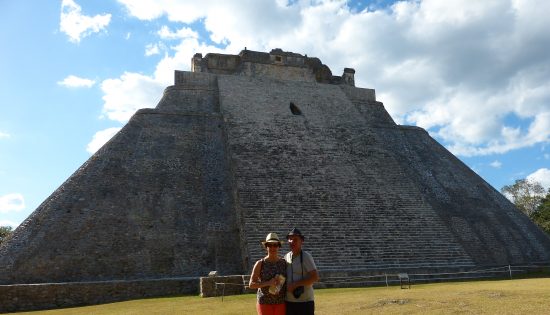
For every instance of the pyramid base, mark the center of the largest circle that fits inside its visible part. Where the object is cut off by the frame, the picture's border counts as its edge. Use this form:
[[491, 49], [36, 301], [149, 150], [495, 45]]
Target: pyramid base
[[27, 297]]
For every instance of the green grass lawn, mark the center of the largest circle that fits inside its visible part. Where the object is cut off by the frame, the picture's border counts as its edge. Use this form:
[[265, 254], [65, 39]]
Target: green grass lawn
[[524, 296]]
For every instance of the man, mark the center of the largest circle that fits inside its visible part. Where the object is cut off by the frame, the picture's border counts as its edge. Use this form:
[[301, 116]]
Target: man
[[301, 275]]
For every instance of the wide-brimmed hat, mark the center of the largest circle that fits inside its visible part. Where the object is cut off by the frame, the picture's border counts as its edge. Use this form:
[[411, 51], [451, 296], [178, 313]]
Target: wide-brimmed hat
[[296, 232], [272, 238]]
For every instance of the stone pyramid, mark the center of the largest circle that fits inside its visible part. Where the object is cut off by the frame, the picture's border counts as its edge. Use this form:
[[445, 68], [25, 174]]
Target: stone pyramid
[[262, 142]]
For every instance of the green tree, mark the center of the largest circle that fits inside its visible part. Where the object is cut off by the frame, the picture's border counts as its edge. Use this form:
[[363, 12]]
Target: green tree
[[5, 231], [542, 216], [525, 194]]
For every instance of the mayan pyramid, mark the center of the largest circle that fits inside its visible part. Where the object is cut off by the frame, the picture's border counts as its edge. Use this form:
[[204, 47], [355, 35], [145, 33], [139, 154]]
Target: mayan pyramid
[[262, 142]]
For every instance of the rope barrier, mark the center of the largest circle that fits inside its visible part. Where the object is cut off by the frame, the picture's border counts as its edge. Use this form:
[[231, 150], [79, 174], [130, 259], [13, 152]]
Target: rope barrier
[[510, 269], [227, 283], [461, 272]]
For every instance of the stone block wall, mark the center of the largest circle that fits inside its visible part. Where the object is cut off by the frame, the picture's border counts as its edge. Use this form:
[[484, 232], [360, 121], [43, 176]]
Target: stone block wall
[[488, 226], [277, 64], [27, 297], [326, 172], [277, 72], [155, 201]]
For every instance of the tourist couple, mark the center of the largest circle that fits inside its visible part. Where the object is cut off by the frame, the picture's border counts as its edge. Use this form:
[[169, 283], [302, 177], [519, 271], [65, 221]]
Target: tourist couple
[[287, 279]]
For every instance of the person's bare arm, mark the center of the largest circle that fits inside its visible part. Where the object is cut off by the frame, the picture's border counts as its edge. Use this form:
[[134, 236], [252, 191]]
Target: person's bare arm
[[255, 282]]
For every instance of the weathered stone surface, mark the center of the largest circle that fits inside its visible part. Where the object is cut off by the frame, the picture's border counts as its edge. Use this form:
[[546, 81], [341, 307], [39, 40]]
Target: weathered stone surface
[[156, 201], [250, 144], [21, 297]]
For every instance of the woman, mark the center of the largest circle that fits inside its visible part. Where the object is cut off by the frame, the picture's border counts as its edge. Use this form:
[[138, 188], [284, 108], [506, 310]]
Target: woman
[[268, 276]]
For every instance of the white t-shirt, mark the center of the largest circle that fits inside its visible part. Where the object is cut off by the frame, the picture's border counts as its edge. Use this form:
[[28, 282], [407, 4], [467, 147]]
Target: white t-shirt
[[294, 273]]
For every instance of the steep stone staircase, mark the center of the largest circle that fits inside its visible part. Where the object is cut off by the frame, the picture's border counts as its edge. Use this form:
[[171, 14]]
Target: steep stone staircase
[[329, 173]]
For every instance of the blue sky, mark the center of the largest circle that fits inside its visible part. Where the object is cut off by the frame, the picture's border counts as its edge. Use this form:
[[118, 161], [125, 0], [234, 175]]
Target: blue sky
[[475, 74]]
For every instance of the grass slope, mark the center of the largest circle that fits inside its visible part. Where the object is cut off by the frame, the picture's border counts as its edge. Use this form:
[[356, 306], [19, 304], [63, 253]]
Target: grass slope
[[525, 296]]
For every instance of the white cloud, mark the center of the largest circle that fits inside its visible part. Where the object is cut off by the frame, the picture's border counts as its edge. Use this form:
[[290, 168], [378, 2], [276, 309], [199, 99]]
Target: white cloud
[[542, 176], [73, 81], [4, 135], [8, 223], [496, 164], [12, 203], [76, 25], [182, 33], [100, 138], [243, 23], [125, 95], [145, 9], [459, 70], [152, 49]]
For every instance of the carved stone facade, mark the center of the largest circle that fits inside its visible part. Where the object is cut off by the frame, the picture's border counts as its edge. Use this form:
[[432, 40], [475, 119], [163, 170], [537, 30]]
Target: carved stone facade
[[254, 143], [277, 64]]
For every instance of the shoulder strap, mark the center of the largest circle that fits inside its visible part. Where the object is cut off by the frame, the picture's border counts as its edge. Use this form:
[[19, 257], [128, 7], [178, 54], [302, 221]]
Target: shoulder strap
[[261, 266], [302, 262], [292, 266]]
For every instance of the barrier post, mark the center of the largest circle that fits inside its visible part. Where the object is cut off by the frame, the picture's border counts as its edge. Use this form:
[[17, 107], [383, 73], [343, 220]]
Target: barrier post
[[386, 275], [510, 271]]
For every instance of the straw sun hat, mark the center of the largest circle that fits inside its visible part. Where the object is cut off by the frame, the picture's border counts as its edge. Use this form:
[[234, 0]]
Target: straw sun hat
[[272, 238]]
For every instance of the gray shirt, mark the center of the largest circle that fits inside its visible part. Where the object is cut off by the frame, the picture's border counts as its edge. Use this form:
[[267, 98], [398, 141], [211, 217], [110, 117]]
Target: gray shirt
[[294, 273]]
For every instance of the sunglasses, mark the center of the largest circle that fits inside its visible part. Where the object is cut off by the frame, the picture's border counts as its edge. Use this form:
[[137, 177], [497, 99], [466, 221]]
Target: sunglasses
[[272, 245]]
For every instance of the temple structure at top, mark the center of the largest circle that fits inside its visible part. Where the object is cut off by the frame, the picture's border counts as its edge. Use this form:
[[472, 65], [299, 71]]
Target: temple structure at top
[[276, 64]]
